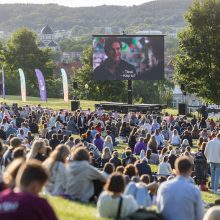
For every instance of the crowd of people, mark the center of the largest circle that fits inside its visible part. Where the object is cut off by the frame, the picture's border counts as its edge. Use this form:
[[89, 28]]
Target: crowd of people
[[79, 156]]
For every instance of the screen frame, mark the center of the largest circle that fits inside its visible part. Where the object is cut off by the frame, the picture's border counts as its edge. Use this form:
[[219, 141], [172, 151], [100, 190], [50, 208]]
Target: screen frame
[[150, 77]]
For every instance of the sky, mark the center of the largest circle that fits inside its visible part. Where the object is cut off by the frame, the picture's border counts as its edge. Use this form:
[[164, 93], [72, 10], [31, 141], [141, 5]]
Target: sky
[[79, 3]]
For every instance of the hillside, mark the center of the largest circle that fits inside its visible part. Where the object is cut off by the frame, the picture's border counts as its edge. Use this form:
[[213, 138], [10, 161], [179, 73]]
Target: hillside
[[165, 15]]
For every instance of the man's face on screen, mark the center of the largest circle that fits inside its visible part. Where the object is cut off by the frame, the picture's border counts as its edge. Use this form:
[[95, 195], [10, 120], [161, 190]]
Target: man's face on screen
[[115, 52]]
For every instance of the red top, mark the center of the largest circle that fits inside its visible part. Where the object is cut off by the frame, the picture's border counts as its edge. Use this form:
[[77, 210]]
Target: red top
[[24, 206]]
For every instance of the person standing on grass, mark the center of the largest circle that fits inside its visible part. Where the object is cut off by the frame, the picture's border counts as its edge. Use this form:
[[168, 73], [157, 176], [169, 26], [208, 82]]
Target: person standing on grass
[[212, 153], [179, 198]]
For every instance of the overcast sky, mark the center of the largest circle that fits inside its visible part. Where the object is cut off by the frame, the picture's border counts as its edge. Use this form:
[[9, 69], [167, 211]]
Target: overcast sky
[[80, 3]]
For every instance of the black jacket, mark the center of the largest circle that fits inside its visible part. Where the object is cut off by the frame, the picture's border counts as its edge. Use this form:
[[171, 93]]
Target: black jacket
[[124, 70]]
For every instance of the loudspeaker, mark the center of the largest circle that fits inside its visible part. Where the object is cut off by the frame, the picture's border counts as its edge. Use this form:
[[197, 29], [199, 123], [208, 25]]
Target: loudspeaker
[[75, 104], [75, 85], [182, 109]]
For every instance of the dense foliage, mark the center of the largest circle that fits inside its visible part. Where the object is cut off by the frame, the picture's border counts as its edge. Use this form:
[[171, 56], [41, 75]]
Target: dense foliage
[[165, 15], [22, 51], [198, 63]]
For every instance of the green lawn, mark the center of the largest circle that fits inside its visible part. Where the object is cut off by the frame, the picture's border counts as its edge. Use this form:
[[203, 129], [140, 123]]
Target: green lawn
[[57, 103], [68, 210], [54, 103]]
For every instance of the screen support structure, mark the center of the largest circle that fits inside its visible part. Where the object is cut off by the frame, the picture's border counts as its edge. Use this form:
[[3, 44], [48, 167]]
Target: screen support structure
[[130, 93]]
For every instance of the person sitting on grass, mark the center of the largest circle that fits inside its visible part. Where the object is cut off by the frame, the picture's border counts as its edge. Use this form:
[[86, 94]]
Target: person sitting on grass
[[112, 198], [23, 202]]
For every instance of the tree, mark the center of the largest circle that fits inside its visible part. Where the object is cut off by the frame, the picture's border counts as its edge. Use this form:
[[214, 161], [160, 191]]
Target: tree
[[197, 64], [97, 90], [22, 51]]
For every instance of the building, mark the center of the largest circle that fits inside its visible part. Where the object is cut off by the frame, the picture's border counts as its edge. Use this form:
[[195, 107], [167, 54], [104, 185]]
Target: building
[[47, 39], [191, 100]]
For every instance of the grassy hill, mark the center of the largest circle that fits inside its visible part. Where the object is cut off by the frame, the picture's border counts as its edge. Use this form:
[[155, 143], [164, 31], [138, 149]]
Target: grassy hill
[[68, 210], [159, 15]]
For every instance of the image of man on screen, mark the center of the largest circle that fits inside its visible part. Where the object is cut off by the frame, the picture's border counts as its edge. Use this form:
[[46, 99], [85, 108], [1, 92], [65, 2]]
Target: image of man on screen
[[114, 68]]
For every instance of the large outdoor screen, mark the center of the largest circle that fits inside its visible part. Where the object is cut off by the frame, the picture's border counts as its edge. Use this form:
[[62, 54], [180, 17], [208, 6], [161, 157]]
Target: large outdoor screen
[[126, 57]]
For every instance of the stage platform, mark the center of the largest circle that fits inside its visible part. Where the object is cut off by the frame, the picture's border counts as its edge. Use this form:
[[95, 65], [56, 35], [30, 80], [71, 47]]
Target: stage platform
[[125, 108]]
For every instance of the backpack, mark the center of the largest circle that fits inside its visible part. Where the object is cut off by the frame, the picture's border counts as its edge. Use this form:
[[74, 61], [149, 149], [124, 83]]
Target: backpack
[[144, 214]]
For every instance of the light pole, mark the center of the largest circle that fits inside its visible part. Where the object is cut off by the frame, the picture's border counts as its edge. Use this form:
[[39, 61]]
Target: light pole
[[86, 88]]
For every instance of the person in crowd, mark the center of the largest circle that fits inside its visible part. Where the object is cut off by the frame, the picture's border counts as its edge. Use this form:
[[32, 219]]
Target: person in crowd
[[34, 127], [2, 133], [38, 151], [64, 140], [113, 67], [131, 171], [140, 145], [50, 133], [152, 144], [7, 157], [129, 158], [108, 143], [10, 130], [172, 158], [159, 138], [81, 123], [11, 171], [204, 134], [108, 169], [202, 124], [106, 156], [70, 142], [71, 125], [195, 132], [185, 143], [21, 134], [55, 165], [155, 126], [54, 141], [164, 168], [153, 158], [176, 141], [98, 142], [193, 121], [25, 202], [187, 203], [132, 140], [144, 168], [115, 159], [113, 199], [80, 176], [140, 191], [165, 133], [212, 152], [163, 153], [187, 135], [213, 213]]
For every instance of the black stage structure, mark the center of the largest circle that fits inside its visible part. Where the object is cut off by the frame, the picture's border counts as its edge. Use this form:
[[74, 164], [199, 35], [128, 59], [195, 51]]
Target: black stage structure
[[125, 108]]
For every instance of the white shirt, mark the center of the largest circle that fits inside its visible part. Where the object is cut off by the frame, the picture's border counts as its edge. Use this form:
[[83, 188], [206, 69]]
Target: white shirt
[[164, 169], [178, 199], [212, 151], [108, 206], [175, 140]]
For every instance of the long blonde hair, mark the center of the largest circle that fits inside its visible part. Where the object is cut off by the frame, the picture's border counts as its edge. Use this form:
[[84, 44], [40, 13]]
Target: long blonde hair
[[39, 143], [108, 138], [106, 153], [58, 155]]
